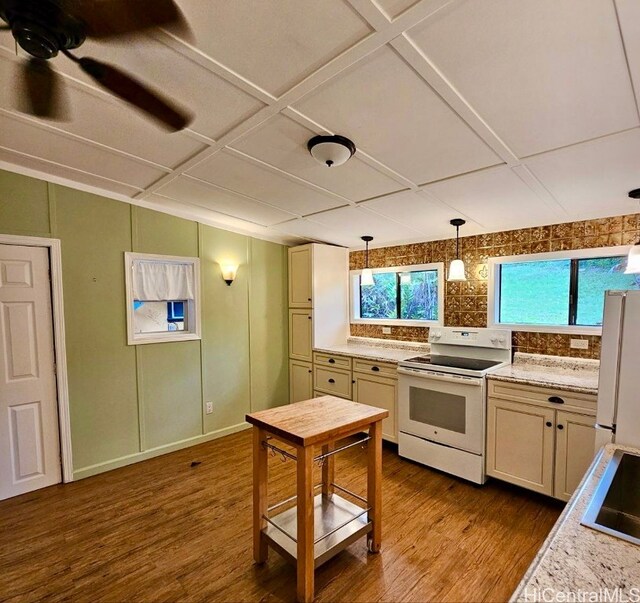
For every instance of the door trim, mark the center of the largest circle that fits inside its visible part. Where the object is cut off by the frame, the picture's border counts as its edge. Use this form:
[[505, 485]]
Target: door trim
[[60, 350]]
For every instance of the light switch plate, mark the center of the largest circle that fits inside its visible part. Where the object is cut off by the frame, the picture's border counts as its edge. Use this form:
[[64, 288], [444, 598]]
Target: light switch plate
[[209, 407], [579, 344], [386, 330]]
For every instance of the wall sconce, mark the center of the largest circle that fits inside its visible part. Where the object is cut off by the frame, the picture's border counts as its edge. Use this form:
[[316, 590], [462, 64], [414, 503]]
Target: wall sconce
[[229, 272]]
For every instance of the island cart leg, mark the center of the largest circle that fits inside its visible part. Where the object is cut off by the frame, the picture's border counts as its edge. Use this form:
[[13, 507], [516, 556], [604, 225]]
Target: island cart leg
[[260, 471], [328, 471], [374, 486], [305, 557]]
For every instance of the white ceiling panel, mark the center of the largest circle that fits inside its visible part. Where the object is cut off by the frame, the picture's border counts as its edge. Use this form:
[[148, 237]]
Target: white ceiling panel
[[37, 142], [282, 142], [199, 193], [274, 47], [216, 104], [243, 176], [394, 7], [629, 14], [350, 223], [591, 180], [497, 199], [420, 212], [392, 114], [312, 231], [542, 73]]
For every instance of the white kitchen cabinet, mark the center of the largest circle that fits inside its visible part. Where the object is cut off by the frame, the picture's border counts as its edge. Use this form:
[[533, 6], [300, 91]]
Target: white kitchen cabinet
[[575, 444], [336, 382], [539, 438], [300, 381], [300, 335], [300, 276], [381, 392]]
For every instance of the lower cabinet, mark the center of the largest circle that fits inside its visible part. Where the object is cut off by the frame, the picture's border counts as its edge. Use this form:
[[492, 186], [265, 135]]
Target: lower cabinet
[[381, 392], [539, 447], [300, 381]]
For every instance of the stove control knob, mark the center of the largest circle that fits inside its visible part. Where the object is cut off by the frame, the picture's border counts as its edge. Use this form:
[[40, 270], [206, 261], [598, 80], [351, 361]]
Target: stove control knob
[[435, 335]]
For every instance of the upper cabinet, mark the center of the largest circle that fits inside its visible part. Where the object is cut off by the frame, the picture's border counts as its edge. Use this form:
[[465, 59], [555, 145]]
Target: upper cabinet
[[319, 279], [300, 276]]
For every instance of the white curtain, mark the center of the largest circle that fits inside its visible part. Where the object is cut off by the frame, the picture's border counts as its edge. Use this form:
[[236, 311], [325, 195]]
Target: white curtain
[[162, 281]]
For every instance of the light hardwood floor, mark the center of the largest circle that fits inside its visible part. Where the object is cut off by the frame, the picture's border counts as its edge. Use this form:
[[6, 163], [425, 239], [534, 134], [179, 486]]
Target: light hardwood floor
[[162, 530]]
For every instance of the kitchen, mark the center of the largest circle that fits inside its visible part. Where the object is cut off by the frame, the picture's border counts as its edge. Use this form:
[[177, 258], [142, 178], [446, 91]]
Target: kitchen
[[411, 185]]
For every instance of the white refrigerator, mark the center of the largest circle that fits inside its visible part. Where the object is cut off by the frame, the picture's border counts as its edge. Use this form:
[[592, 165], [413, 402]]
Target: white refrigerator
[[618, 414]]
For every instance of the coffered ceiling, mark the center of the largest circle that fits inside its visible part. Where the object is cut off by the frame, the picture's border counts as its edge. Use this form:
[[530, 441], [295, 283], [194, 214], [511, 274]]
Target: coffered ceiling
[[508, 114]]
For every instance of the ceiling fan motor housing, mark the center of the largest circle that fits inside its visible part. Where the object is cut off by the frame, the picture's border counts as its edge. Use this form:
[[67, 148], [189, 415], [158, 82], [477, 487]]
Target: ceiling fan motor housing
[[41, 27]]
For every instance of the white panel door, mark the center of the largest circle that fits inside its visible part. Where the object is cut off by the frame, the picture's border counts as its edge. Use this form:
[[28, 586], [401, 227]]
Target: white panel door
[[29, 440]]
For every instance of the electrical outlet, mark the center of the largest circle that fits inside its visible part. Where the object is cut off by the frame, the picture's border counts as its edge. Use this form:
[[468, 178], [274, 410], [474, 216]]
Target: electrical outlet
[[386, 330], [579, 344], [209, 407]]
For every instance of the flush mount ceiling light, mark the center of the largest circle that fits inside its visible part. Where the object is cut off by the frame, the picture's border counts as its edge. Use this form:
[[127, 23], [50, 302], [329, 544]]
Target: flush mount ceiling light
[[331, 150], [633, 259], [456, 269], [366, 278]]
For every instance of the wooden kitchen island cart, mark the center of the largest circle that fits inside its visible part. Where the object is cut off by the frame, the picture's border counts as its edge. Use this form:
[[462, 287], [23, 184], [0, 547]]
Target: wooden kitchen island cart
[[321, 525]]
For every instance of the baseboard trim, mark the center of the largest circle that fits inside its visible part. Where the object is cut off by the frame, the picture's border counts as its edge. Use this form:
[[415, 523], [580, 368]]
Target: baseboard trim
[[123, 461]]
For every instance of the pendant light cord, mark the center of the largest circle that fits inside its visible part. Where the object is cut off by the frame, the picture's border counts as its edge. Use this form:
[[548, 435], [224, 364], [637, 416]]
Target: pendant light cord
[[457, 242], [366, 257]]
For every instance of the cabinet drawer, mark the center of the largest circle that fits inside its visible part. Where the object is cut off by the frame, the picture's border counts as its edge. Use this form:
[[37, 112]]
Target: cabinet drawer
[[332, 381], [377, 368], [330, 360], [543, 396]]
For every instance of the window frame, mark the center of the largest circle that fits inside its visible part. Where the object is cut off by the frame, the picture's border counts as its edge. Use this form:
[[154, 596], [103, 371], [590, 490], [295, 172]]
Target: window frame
[[193, 306], [354, 297], [493, 290]]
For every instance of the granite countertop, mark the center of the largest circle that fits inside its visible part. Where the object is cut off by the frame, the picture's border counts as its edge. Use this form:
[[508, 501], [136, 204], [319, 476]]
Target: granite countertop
[[568, 374], [577, 559], [380, 350]]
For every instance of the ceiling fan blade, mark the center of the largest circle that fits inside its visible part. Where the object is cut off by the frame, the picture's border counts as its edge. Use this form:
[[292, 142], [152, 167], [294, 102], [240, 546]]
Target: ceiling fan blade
[[106, 18], [135, 93], [41, 90]]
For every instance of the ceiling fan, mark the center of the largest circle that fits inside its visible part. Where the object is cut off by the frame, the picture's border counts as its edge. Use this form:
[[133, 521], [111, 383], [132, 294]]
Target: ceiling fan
[[44, 28]]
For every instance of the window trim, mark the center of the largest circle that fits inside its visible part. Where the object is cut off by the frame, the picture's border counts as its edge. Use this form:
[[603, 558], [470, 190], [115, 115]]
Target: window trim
[[194, 305], [493, 291], [354, 297]]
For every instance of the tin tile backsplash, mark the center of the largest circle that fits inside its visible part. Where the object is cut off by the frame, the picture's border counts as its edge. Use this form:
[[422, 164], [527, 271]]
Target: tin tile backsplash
[[466, 302]]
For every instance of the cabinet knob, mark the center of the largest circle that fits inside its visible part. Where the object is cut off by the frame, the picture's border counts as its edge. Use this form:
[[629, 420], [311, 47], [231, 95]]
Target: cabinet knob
[[310, 371], [353, 380], [332, 380], [548, 423], [332, 361], [555, 400], [375, 368], [560, 426], [308, 299], [309, 317]]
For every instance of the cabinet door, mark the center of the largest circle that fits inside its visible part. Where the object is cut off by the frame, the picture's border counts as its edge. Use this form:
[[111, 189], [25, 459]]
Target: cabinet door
[[300, 278], [520, 444], [381, 392], [300, 381], [575, 445], [300, 335]]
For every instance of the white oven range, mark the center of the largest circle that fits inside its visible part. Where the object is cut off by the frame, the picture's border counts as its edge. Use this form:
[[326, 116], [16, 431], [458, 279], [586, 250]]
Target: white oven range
[[442, 399]]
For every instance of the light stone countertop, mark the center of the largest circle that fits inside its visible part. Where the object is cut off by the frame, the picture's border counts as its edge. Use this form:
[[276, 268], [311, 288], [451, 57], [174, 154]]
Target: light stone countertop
[[576, 559], [567, 374], [380, 350]]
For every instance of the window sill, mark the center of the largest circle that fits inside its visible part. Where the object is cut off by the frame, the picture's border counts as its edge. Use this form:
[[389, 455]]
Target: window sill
[[163, 338], [390, 322], [559, 330]]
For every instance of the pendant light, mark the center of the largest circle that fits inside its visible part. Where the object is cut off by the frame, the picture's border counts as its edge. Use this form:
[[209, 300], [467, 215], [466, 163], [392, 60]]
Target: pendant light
[[633, 259], [456, 268], [331, 150], [366, 278]]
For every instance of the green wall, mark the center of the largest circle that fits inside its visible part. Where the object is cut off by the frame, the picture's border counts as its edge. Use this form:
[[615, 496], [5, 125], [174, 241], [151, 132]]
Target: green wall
[[129, 403]]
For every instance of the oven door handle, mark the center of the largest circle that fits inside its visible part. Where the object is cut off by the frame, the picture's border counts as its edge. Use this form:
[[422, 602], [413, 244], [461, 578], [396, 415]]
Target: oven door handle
[[460, 379]]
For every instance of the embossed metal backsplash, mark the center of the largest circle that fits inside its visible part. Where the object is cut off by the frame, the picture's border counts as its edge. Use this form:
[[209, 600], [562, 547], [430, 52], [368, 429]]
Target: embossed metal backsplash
[[466, 302]]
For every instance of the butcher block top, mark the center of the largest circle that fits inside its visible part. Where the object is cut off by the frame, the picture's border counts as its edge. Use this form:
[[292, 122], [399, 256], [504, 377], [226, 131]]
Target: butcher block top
[[317, 420]]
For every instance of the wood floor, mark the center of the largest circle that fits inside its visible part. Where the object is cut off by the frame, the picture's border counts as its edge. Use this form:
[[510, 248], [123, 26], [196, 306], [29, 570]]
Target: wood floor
[[163, 530]]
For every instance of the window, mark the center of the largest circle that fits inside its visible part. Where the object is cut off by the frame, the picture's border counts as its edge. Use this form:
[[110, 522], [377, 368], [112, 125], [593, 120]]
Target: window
[[556, 291], [163, 298], [408, 295]]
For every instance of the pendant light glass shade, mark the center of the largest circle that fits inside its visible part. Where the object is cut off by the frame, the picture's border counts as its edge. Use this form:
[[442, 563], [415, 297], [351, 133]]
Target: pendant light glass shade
[[633, 260], [456, 268], [366, 278], [456, 271]]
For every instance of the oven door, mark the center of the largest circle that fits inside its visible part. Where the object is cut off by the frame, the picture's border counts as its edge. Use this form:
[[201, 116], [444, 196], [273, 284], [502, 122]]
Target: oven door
[[444, 408]]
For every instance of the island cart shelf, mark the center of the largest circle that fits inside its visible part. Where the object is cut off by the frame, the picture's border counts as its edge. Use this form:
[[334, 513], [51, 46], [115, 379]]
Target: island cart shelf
[[323, 524]]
